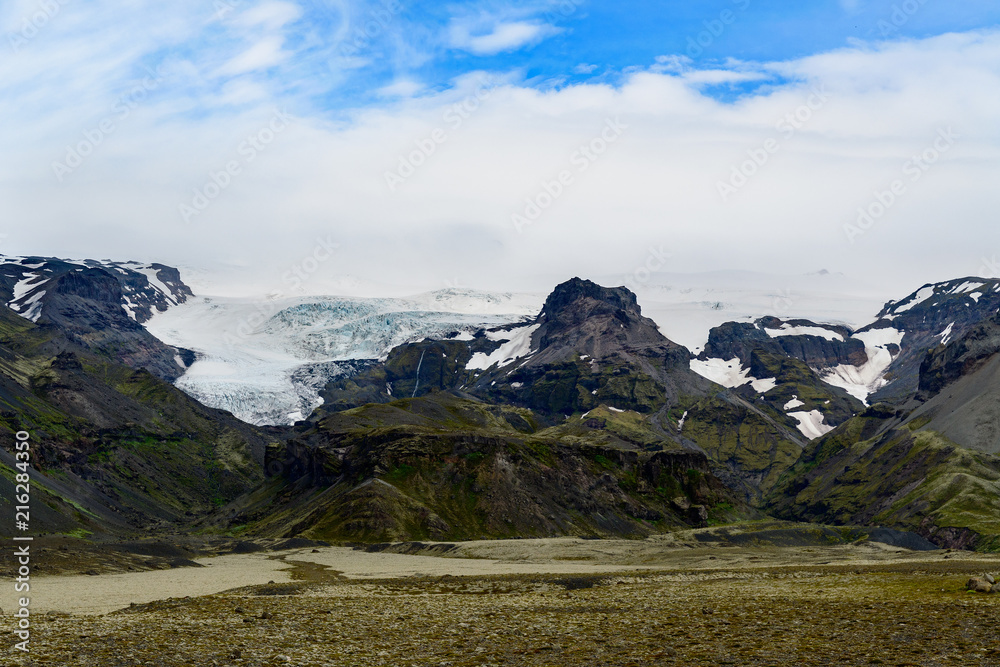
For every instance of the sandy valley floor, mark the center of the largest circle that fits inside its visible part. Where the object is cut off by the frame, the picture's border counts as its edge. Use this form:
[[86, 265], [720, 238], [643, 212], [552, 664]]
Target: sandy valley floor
[[668, 600]]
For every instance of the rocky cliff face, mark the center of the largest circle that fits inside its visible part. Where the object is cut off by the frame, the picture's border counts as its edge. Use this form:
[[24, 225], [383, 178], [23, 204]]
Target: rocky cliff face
[[738, 340], [592, 346], [145, 288], [581, 317], [945, 364], [100, 307]]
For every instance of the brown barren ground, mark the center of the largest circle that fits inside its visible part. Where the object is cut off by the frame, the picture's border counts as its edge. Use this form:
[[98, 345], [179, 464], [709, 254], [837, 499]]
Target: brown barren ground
[[863, 604]]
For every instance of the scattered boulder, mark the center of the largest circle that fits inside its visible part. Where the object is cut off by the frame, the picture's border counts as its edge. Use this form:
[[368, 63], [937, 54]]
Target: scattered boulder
[[989, 578], [979, 585]]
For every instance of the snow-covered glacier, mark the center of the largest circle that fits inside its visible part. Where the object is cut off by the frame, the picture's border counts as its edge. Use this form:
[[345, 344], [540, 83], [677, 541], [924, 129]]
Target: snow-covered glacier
[[266, 361]]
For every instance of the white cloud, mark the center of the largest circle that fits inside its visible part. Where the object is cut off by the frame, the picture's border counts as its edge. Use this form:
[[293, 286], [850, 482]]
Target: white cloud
[[269, 15], [264, 54], [499, 37], [720, 76], [655, 186], [401, 88]]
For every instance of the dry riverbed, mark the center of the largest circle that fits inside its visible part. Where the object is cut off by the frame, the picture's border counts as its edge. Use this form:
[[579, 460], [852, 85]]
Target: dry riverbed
[[670, 600]]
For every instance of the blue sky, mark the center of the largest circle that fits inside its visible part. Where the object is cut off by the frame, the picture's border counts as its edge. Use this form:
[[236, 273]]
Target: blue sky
[[565, 42], [430, 139]]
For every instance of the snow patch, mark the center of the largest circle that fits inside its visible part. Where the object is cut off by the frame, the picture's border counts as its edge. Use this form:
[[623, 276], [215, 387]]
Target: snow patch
[[922, 295], [965, 287], [727, 373], [731, 374], [31, 308], [764, 386], [792, 404], [517, 345], [811, 424], [862, 381], [26, 284], [946, 334], [789, 330]]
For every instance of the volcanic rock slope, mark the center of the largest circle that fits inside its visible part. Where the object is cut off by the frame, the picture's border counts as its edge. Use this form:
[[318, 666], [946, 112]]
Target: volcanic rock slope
[[925, 458], [574, 423], [100, 306], [582, 420], [115, 449], [591, 371]]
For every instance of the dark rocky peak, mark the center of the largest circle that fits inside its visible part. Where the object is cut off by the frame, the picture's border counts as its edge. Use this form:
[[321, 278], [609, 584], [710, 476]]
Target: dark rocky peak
[[99, 306], [142, 289], [579, 299], [595, 320], [962, 300], [147, 287], [92, 284]]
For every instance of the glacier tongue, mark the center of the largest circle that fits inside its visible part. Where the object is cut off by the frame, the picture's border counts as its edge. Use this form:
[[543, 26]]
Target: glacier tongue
[[267, 361]]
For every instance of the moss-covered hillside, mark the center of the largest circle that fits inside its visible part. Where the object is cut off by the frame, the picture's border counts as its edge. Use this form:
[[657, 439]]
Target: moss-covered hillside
[[113, 449], [447, 467]]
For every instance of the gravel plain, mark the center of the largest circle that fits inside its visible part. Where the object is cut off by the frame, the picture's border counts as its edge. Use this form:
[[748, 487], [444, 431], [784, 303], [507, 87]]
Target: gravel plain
[[662, 601]]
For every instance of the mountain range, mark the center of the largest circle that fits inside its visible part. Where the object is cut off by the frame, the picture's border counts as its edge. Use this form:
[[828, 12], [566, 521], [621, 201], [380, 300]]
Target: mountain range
[[459, 414]]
